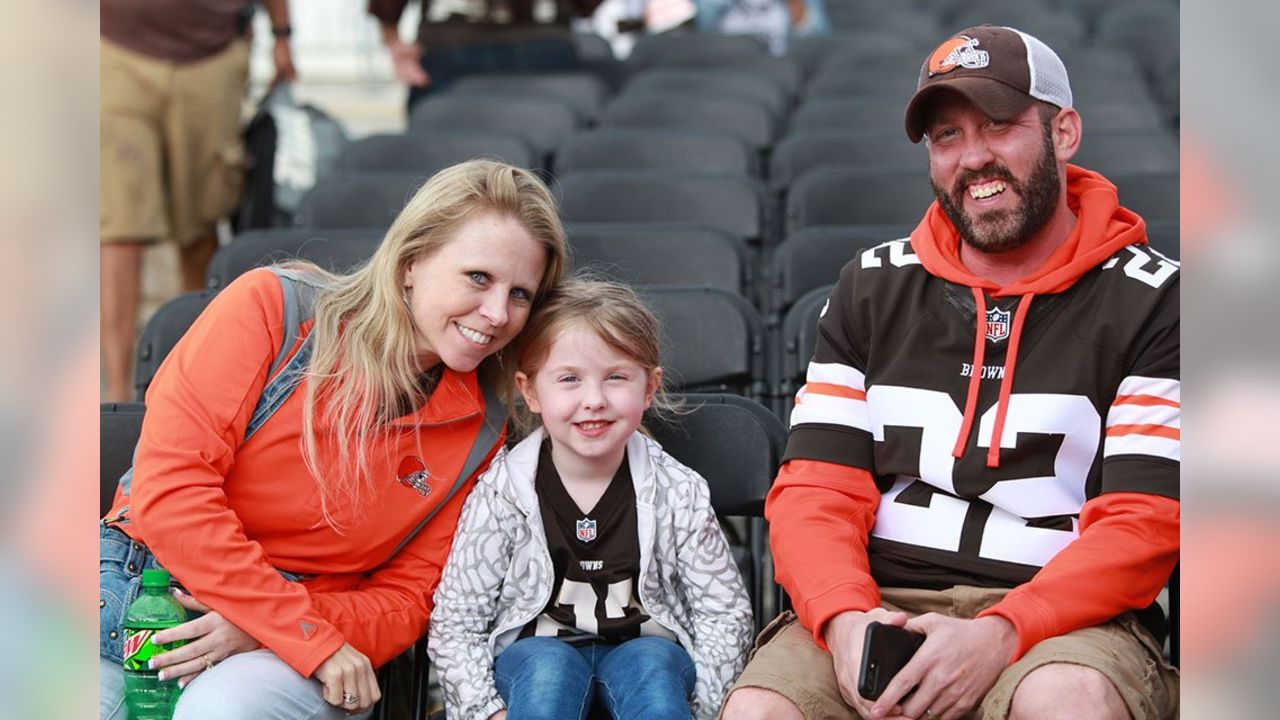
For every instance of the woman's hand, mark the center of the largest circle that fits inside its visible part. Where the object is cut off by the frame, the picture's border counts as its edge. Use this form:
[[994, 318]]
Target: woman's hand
[[212, 638], [349, 680]]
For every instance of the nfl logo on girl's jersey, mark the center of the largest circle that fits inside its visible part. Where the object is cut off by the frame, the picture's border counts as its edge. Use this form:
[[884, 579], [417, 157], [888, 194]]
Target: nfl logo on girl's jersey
[[586, 530]]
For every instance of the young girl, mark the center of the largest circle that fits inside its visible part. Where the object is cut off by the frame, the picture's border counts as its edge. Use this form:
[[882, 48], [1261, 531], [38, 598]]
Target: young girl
[[588, 563]]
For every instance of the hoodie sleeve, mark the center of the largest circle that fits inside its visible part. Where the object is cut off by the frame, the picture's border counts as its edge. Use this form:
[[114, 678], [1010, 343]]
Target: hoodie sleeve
[[717, 600], [1129, 532], [466, 601]]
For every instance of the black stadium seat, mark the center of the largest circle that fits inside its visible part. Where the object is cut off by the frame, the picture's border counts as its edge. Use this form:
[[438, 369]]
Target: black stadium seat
[[803, 151], [582, 91], [686, 49], [615, 148], [334, 250], [119, 425], [748, 121], [427, 154], [714, 82], [358, 200], [165, 328], [1154, 196], [644, 254], [849, 196], [813, 257], [731, 203], [713, 340], [798, 337], [542, 122]]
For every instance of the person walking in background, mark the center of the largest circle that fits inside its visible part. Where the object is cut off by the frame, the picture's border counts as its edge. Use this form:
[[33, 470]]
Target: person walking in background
[[457, 38], [589, 564], [307, 503], [171, 158], [986, 450]]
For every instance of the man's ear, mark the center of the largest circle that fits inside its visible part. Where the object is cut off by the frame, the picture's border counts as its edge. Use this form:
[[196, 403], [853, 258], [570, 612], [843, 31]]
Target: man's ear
[[1066, 131], [525, 386]]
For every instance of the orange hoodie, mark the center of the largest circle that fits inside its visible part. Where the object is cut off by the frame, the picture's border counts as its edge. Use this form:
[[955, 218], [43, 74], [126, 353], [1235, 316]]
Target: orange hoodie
[[226, 518], [821, 513]]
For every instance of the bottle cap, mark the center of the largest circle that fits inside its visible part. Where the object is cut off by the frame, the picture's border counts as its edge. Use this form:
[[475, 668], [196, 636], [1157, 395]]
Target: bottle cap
[[155, 577]]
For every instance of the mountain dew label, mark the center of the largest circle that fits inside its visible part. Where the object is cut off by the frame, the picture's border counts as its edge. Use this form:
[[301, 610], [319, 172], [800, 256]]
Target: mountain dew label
[[138, 648]]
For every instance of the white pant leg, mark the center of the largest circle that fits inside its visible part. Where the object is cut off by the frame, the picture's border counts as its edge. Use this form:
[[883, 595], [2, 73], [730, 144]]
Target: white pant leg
[[256, 685], [111, 691]]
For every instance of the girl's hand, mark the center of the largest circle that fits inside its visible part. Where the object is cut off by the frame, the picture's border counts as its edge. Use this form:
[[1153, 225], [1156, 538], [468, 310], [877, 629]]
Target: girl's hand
[[212, 638], [349, 680]]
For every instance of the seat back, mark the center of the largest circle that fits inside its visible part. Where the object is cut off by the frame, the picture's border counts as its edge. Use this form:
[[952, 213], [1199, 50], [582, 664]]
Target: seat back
[[358, 200], [799, 336], [165, 328], [645, 254], [715, 81], [542, 122], [852, 196], [119, 425], [427, 155], [731, 203], [803, 151], [334, 250], [583, 91], [813, 257], [746, 120], [687, 149], [1154, 196], [713, 340]]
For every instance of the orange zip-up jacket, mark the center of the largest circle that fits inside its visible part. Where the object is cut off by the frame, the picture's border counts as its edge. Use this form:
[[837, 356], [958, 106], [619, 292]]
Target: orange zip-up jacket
[[825, 506], [226, 518]]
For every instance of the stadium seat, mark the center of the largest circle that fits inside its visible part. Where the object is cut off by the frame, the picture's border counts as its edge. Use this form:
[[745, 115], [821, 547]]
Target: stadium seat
[[592, 47], [1128, 153], [813, 257], [428, 154], [1165, 238], [746, 120], [731, 203], [894, 82], [335, 250], [583, 91], [119, 425], [714, 82], [646, 254], [1154, 196], [903, 24], [801, 152], [357, 200], [542, 122], [850, 196], [867, 115], [1136, 115], [684, 49], [713, 340], [737, 445], [693, 150], [797, 338], [1056, 28], [165, 328]]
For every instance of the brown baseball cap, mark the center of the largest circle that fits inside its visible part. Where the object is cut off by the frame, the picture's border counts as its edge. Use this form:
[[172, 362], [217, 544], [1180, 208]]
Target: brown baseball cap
[[999, 69]]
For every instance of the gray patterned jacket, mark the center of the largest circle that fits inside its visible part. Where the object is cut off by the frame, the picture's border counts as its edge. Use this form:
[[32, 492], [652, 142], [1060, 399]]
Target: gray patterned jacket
[[499, 577]]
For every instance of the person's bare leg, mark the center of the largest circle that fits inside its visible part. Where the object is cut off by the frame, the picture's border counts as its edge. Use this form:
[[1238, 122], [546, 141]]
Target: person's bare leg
[[120, 290], [194, 261]]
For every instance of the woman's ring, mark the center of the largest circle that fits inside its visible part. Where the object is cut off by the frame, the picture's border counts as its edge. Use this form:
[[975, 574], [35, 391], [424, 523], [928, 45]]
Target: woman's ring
[[208, 664], [350, 698]]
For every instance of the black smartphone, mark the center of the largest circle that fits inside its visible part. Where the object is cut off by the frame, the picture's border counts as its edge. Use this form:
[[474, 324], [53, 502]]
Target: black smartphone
[[885, 650]]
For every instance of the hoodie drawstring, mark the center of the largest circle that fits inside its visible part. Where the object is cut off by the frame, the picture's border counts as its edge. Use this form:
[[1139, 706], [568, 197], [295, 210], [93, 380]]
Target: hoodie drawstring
[[1006, 384], [975, 378]]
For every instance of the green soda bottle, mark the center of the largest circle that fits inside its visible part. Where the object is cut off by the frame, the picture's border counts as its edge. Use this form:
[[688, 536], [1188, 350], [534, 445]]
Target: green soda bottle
[[155, 609]]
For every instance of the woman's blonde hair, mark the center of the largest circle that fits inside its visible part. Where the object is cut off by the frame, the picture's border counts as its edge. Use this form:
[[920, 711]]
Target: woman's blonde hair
[[364, 371], [609, 309]]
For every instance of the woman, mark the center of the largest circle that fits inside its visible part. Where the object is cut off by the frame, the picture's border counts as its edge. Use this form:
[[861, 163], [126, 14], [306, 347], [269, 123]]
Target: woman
[[297, 536]]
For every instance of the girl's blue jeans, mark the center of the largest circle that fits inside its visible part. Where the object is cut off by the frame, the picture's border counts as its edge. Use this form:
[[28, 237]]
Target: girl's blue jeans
[[648, 678]]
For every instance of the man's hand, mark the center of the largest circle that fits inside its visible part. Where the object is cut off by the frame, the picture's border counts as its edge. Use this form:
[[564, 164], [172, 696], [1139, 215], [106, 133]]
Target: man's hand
[[406, 58], [282, 54], [844, 634], [958, 663]]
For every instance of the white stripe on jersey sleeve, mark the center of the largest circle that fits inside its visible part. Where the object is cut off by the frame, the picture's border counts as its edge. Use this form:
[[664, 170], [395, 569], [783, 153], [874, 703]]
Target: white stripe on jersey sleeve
[[816, 407], [1144, 415], [1138, 444], [836, 374], [1159, 387]]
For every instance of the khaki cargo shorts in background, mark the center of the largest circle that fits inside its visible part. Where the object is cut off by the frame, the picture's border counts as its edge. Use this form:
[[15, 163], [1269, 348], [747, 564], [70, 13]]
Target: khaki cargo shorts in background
[[172, 161], [787, 661]]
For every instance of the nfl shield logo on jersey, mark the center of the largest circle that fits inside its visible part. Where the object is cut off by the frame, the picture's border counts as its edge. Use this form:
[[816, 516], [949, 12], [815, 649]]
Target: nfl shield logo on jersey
[[586, 530], [997, 324]]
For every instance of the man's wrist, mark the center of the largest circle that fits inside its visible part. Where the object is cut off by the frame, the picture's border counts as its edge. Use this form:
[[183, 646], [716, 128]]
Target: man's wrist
[[282, 32], [1006, 634]]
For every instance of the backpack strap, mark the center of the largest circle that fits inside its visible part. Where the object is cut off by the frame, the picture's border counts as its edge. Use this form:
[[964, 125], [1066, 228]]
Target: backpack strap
[[490, 432]]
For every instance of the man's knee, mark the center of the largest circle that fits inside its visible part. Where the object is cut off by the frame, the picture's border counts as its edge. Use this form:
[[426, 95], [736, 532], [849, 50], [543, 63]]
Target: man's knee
[[1065, 690], [753, 703]]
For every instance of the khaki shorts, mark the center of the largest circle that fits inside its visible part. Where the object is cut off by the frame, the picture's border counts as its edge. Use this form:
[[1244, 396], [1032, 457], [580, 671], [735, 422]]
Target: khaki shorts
[[787, 661], [171, 157]]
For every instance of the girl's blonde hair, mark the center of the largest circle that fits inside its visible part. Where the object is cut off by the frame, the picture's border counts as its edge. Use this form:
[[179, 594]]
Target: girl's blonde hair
[[613, 312], [364, 372]]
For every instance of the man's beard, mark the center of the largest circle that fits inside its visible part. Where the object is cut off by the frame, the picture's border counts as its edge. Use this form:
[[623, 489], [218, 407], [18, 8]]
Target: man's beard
[[1000, 231]]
